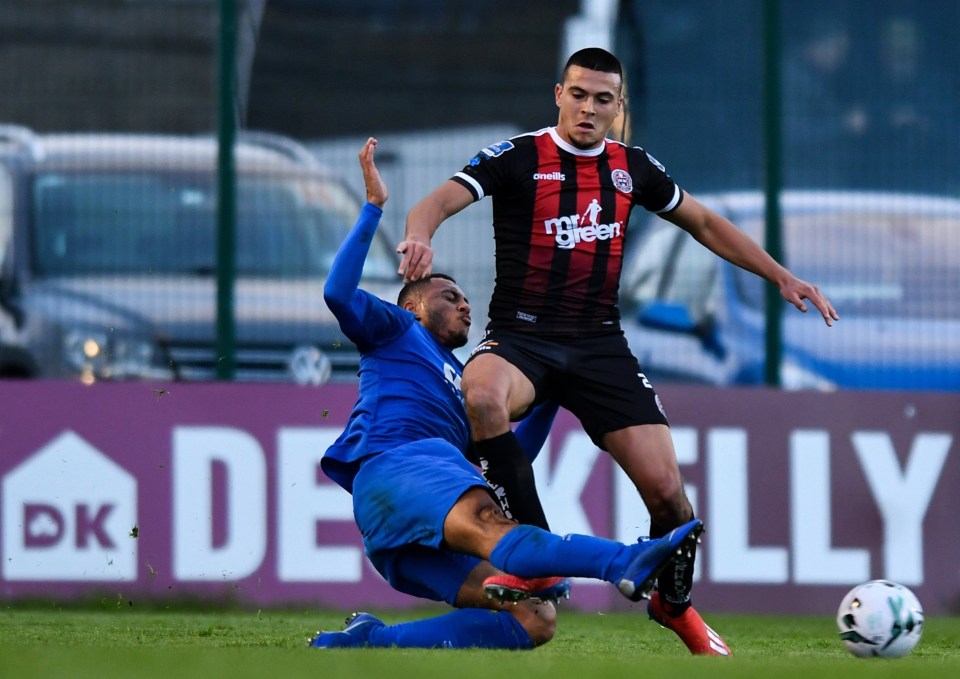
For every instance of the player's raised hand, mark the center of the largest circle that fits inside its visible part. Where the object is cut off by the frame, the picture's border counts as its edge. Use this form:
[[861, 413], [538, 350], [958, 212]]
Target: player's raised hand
[[376, 189], [417, 260], [795, 291]]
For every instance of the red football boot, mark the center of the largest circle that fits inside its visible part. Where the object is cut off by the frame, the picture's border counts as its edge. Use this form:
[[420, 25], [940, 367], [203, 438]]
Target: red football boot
[[690, 627], [511, 588]]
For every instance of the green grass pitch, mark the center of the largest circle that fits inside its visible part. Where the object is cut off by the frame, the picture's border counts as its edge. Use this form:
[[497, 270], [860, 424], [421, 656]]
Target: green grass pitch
[[116, 639]]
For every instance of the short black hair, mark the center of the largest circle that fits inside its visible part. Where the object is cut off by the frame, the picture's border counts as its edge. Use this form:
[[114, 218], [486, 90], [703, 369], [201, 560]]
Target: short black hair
[[414, 288], [594, 59]]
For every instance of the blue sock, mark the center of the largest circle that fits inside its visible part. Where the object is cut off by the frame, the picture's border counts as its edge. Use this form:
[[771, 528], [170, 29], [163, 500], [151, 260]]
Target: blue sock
[[463, 628], [529, 552]]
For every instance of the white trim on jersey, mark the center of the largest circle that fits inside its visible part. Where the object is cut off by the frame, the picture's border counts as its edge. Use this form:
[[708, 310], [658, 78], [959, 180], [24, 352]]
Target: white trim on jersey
[[673, 201], [477, 189], [570, 148]]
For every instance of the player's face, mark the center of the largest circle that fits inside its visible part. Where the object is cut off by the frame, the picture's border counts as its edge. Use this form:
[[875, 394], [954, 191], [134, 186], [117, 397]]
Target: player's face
[[589, 103], [445, 312]]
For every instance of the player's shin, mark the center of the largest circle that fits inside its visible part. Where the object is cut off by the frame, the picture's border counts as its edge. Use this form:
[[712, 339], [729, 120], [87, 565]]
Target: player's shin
[[676, 580], [508, 471]]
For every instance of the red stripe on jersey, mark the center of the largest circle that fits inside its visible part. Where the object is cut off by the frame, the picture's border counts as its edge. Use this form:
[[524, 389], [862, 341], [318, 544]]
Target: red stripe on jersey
[[560, 222], [546, 206], [617, 154], [576, 244], [589, 217]]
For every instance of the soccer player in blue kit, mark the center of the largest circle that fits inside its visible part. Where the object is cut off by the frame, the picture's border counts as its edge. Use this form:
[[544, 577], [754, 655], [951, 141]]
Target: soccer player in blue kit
[[562, 198], [430, 523]]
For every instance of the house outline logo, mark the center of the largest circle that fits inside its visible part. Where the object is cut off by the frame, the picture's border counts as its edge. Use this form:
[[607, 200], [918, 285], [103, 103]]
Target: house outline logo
[[67, 514]]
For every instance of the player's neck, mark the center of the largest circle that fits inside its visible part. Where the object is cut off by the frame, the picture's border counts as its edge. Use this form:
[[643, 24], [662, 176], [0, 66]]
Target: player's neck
[[564, 144]]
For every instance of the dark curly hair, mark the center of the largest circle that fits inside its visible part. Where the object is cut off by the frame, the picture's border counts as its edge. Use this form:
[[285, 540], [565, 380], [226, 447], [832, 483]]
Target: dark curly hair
[[414, 288]]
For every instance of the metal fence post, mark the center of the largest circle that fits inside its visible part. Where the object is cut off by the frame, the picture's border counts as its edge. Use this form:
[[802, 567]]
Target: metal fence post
[[773, 159], [226, 191]]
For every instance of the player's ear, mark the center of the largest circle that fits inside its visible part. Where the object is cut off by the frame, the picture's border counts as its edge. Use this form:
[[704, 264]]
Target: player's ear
[[557, 91], [410, 304]]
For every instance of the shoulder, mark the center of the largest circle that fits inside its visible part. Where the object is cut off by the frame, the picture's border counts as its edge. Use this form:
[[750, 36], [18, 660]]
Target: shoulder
[[511, 146], [500, 165], [633, 152], [375, 321], [639, 160]]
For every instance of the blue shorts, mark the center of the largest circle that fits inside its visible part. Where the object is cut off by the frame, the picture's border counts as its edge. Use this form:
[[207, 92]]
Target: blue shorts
[[401, 498]]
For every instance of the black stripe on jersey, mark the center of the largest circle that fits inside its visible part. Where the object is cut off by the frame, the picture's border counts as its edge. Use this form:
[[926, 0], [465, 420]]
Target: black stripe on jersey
[[522, 202], [590, 315], [560, 265]]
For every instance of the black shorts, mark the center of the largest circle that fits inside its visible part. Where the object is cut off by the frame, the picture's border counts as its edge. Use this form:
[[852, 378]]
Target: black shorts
[[597, 379]]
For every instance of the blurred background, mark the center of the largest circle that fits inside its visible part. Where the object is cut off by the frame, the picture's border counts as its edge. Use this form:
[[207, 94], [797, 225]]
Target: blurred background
[[854, 130]]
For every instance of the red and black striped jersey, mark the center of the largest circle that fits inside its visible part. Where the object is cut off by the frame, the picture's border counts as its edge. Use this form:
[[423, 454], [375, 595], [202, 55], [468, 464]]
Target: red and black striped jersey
[[560, 221]]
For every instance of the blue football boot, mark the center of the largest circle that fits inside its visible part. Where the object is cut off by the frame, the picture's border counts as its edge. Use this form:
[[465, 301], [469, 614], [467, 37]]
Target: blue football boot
[[653, 555], [355, 634]]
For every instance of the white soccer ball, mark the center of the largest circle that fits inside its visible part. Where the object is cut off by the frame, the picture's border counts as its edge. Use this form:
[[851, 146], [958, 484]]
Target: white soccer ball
[[880, 619]]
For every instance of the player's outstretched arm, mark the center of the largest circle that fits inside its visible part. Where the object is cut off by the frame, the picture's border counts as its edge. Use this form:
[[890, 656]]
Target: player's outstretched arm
[[723, 238], [344, 278], [423, 220]]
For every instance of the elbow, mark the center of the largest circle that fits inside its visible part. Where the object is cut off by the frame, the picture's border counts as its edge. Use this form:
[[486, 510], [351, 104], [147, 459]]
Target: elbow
[[329, 291], [333, 295]]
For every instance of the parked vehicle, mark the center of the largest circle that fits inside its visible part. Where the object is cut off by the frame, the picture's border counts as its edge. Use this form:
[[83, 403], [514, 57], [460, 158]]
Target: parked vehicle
[[108, 258], [890, 263]]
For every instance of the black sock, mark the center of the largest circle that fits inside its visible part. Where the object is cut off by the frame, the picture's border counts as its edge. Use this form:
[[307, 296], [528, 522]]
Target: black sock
[[508, 471], [676, 581]]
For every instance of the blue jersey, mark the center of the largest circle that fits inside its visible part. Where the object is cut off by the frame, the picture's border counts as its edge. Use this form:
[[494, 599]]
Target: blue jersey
[[409, 382]]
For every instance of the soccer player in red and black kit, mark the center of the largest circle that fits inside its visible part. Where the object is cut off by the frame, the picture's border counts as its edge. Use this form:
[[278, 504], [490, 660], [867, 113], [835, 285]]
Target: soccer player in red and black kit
[[561, 203]]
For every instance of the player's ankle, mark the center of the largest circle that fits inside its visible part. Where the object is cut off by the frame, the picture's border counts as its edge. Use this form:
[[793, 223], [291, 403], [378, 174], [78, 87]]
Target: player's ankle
[[672, 609]]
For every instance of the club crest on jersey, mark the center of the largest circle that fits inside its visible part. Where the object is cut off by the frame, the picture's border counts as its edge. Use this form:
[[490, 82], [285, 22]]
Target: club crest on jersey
[[622, 181]]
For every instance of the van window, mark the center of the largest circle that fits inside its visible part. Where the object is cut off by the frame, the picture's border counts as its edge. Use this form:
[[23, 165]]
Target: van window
[[6, 211], [166, 223], [667, 265], [688, 277], [646, 258], [886, 264]]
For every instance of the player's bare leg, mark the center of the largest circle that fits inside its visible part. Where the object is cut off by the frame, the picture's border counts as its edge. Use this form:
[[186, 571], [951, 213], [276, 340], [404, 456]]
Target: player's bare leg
[[538, 618], [646, 454], [495, 391]]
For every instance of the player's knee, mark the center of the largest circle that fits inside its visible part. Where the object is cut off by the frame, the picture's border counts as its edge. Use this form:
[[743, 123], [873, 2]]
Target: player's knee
[[539, 620], [668, 505], [486, 404], [478, 508], [490, 513]]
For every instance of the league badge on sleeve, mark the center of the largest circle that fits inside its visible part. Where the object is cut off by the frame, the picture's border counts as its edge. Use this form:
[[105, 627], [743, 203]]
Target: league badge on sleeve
[[492, 151], [656, 162], [498, 149]]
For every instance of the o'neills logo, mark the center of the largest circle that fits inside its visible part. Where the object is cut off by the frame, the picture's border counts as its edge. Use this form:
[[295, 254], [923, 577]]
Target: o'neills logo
[[549, 176]]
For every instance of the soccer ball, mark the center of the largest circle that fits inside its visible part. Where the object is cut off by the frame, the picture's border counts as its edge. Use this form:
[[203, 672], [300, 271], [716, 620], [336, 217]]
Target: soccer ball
[[880, 619]]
